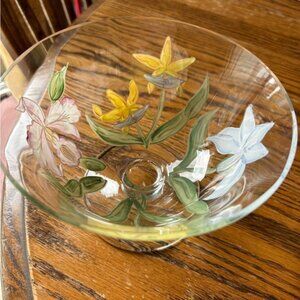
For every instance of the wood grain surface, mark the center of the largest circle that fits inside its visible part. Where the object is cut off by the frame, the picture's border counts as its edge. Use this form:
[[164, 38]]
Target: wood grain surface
[[256, 258]]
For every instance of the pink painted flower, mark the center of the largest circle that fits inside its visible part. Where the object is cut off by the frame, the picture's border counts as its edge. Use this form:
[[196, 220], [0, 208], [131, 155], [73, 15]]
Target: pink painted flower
[[43, 133]]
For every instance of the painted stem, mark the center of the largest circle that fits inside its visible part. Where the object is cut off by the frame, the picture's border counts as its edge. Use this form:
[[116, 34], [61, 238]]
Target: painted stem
[[107, 149], [157, 117], [140, 132]]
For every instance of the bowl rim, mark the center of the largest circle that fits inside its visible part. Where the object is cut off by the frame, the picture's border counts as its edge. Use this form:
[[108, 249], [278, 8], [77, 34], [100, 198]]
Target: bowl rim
[[168, 232]]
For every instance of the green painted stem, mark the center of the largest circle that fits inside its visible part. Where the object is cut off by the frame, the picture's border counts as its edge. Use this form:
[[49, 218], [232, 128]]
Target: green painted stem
[[107, 149], [140, 132], [157, 117]]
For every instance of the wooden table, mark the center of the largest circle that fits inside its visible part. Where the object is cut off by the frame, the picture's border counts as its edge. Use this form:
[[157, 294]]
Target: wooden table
[[256, 258]]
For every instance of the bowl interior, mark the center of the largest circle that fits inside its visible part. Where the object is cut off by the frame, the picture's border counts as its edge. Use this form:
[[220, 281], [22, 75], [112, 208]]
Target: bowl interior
[[100, 57]]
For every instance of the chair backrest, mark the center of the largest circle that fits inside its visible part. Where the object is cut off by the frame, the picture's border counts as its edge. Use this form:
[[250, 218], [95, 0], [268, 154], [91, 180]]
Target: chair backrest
[[24, 22]]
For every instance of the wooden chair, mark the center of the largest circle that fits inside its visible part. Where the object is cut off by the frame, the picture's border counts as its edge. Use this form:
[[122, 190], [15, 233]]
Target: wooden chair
[[25, 22]]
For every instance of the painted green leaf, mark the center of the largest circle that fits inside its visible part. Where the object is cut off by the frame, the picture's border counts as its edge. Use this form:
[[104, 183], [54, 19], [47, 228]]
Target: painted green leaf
[[57, 84], [111, 136], [197, 102], [187, 194], [55, 183], [73, 188], [92, 163], [142, 205], [175, 124], [91, 184], [169, 128], [197, 137], [70, 189], [120, 213], [154, 218]]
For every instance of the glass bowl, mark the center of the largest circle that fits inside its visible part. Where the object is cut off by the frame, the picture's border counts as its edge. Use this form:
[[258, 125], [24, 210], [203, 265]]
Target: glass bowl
[[147, 131]]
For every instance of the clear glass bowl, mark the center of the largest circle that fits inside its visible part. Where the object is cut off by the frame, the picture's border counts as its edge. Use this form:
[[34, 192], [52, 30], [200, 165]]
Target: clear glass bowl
[[150, 131]]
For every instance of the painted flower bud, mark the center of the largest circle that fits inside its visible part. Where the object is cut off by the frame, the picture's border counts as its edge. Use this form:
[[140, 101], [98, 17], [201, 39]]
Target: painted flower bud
[[92, 164], [57, 84]]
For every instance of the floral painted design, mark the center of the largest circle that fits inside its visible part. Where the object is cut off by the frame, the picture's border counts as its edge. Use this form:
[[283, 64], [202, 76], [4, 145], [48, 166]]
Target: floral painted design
[[242, 144], [196, 170], [164, 82], [133, 118], [44, 133], [245, 147], [163, 65], [123, 108], [57, 84], [48, 134], [111, 187]]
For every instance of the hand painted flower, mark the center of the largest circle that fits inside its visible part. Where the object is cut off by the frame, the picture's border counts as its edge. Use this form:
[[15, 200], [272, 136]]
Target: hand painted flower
[[197, 168], [123, 108], [244, 144], [164, 64], [43, 133]]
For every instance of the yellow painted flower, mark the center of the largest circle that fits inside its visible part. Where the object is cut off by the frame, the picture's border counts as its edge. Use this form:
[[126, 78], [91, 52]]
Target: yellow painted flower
[[123, 108], [164, 64]]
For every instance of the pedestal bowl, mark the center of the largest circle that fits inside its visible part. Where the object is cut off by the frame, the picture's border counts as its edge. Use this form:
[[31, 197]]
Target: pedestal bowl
[[147, 131]]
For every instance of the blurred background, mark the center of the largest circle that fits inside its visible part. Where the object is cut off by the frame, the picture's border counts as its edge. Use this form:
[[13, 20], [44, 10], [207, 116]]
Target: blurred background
[[25, 22]]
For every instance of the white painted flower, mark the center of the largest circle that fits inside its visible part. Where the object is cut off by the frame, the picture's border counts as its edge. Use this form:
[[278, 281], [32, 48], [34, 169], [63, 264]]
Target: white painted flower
[[43, 133], [244, 144], [196, 169]]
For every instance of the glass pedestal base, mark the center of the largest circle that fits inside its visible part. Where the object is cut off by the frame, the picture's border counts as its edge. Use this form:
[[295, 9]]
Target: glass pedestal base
[[140, 247]]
